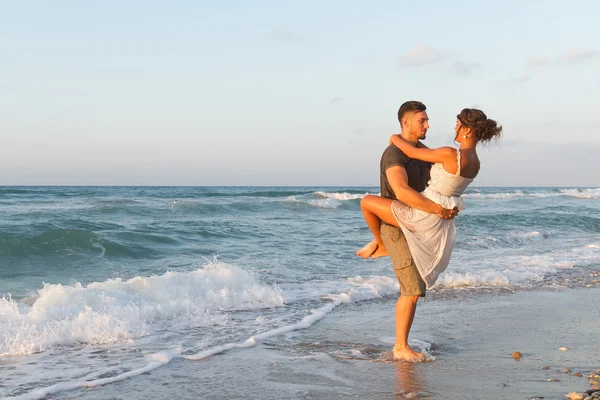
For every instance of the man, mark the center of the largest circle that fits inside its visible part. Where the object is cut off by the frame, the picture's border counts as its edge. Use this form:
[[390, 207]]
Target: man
[[404, 178]]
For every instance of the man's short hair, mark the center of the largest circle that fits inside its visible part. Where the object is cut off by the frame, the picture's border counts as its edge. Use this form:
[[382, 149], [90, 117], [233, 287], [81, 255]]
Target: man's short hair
[[410, 106]]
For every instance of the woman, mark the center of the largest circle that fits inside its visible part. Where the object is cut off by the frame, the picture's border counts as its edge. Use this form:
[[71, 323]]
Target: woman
[[431, 236]]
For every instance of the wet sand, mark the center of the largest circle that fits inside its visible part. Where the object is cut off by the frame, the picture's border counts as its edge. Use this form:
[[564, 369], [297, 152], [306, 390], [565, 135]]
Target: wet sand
[[346, 355]]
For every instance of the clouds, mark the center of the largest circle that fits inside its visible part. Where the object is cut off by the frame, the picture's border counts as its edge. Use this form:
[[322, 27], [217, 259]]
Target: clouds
[[423, 54], [535, 61], [520, 79], [463, 69], [283, 34], [570, 56], [578, 54]]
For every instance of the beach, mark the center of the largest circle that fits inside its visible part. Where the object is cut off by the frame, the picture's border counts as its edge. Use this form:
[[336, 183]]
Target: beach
[[181, 187], [346, 356], [133, 293]]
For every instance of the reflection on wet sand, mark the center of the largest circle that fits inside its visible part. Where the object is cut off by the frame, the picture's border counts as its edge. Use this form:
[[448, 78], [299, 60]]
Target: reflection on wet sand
[[409, 383]]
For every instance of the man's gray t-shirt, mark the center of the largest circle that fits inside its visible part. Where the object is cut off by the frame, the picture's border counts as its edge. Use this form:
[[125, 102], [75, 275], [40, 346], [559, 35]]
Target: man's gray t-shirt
[[416, 170]]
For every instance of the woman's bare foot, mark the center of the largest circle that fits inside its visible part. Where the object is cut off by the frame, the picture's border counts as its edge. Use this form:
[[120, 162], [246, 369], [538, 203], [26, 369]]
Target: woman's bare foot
[[407, 354], [368, 250], [380, 252]]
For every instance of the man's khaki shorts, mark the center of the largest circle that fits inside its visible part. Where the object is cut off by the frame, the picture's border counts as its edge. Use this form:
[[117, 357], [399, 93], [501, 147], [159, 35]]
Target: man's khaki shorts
[[405, 269]]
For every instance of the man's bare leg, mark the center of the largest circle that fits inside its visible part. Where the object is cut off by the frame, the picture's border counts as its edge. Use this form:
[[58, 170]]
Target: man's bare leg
[[376, 209], [405, 313]]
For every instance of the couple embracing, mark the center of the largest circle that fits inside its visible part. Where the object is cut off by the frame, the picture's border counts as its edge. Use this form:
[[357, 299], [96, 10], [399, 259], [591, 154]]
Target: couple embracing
[[413, 219]]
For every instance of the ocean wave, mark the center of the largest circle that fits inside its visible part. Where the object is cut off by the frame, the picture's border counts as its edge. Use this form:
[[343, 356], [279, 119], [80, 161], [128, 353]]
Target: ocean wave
[[114, 205], [361, 289], [581, 193], [325, 199], [517, 277], [114, 201], [586, 193], [15, 190], [503, 195], [517, 270], [57, 242], [210, 207], [502, 240], [247, 192], [547, 221], [118, 311], [320, 203], [343, 196]]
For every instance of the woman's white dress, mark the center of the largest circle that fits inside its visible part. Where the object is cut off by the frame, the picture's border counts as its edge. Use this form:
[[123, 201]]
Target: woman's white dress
[[431, 238]]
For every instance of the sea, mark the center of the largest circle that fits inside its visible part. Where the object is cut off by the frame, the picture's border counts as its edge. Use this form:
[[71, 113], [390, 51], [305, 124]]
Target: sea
[[103, 285]]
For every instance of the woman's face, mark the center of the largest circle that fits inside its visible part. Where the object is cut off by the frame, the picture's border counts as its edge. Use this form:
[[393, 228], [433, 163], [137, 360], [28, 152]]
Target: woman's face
[[457, 130]]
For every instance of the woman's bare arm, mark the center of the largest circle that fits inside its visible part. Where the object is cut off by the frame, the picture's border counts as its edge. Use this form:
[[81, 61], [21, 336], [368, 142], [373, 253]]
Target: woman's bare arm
[[441, 154]]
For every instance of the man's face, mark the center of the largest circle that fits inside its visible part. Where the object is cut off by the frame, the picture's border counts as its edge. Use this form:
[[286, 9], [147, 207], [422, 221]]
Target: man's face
[[417, 124]]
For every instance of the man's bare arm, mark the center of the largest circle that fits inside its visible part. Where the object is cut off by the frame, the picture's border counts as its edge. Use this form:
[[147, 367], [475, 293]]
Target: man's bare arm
[[398, 180]]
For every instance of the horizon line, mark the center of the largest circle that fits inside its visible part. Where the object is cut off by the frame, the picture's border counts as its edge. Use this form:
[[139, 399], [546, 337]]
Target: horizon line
[[289, 186]]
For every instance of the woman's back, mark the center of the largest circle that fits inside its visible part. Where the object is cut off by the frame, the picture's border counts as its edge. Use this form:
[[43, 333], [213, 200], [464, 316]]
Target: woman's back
[[466, 165], [454, 183]]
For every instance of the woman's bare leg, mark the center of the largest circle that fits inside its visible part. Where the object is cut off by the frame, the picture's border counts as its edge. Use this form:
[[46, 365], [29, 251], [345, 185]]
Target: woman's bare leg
[[376, 209]]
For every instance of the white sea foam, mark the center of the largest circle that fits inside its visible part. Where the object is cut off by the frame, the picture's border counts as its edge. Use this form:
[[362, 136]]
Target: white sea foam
[[321, 203], [582, 193], [589, 193], [451, 279], [500, 271], [340, 196], [98, 246], [325, 200], [373, 287], [324, 203], [121, 311], [534, 234], [361, 289], [157, 361], [510, 270], [507, 195], [513, 239], [525, 237]]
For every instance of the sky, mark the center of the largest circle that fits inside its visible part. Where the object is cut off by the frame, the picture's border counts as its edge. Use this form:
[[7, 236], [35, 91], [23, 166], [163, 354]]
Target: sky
[[294, 93]]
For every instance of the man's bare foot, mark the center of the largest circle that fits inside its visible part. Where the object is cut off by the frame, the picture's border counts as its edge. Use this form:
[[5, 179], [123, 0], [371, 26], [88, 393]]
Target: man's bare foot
[[407, 354], [368, 250], [380, 252]]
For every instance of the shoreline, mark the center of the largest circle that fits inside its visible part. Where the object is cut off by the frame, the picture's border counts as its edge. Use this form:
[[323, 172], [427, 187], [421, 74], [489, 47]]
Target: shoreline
[[474, 339], [347, 355]]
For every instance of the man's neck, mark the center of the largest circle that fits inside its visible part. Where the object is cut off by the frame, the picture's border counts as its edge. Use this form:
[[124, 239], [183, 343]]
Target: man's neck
[[409, 138]]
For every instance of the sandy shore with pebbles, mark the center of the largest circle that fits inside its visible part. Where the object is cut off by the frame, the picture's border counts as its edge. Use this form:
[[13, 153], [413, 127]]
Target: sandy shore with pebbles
[[474, 339], [346, 355]]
